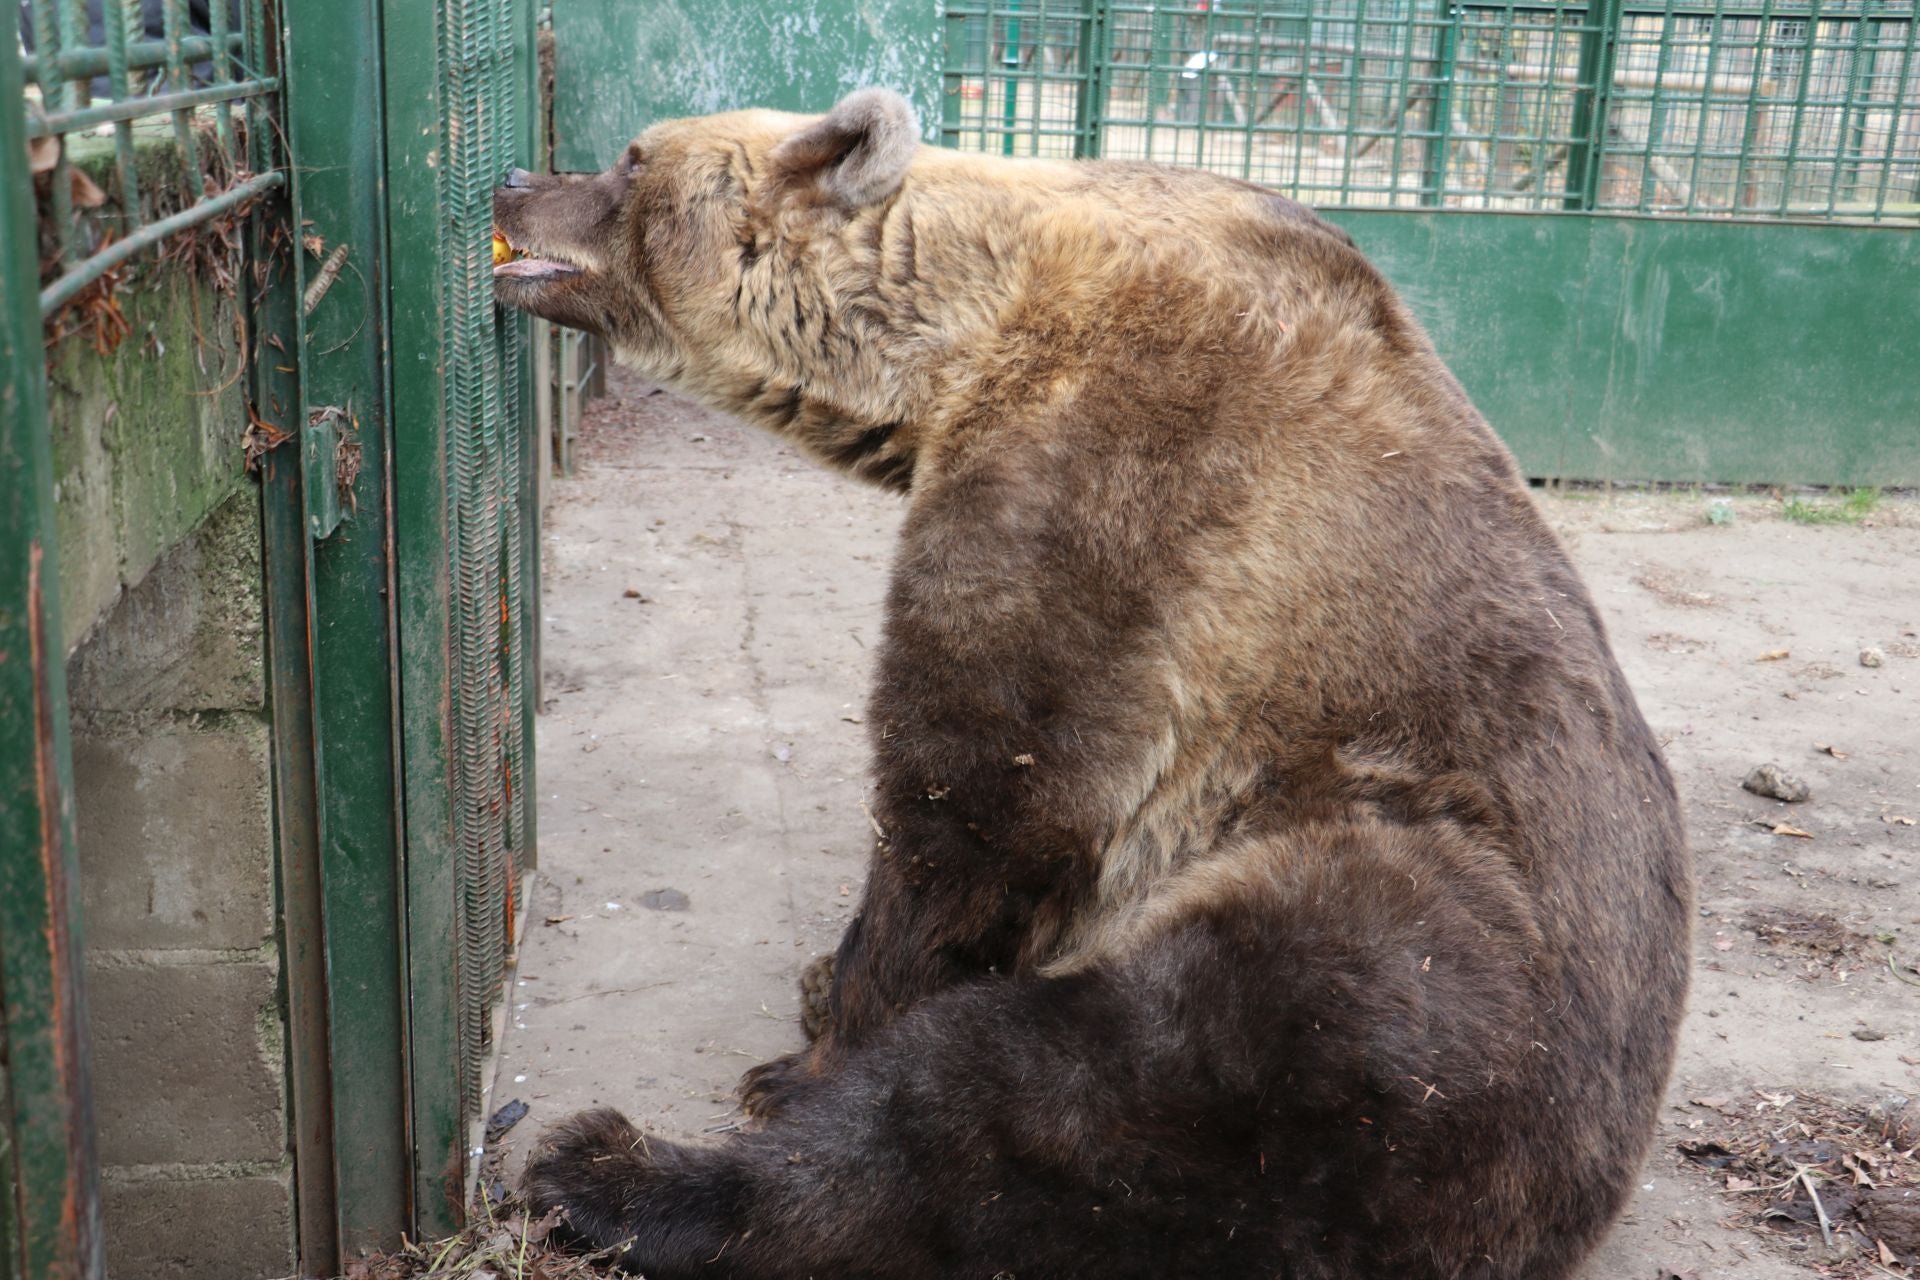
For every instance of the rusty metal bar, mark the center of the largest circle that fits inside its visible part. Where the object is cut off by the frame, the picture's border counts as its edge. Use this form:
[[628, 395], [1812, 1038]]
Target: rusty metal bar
[[51, 1227]]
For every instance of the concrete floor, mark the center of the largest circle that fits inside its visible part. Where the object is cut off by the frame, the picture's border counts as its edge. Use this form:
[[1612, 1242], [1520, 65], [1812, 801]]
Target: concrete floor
[[711, 600]]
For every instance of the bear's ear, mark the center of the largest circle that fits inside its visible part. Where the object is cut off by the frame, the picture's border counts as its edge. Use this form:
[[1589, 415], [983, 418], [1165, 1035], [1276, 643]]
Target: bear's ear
[[855, 154]]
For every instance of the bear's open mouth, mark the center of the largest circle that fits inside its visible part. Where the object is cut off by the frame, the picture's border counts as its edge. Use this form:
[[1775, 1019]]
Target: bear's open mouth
[[512, 261]]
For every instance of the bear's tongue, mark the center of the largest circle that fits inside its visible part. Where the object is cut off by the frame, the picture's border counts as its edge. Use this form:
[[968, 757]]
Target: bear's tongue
[[535, 269]]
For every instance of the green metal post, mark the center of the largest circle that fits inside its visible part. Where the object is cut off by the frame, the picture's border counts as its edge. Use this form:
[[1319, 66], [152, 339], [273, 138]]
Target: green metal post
[[274, 325], [417, 216], [953, 49], [333, 77], [50, 1223], [532, 152], [1656, 112], [1595, 86], [1091, 106], [1010, 81], [1440, 118]]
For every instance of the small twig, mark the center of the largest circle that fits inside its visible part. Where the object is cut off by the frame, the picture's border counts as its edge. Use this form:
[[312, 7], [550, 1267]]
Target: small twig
[[1894, 969], [604, 991], [872, 821], [1826, 1223]]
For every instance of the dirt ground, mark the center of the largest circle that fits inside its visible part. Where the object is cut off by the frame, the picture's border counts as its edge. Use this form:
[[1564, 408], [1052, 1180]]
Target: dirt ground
[[712, 600]]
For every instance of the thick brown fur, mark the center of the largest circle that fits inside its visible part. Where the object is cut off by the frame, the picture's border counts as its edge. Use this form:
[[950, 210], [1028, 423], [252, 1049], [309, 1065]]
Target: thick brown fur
[[1278, 877]]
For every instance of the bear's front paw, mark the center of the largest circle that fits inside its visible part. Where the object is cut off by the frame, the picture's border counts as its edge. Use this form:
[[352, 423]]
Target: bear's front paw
[[816, 996], [594, 1167], [766, 1090]]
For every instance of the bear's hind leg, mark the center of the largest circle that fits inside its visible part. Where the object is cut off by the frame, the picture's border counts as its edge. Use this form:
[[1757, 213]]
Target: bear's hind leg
[[1273, 1085]]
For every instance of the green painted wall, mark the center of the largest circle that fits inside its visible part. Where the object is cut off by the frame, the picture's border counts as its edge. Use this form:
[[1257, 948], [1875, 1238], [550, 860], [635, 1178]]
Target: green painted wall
[[1639, 349], [622, 64]]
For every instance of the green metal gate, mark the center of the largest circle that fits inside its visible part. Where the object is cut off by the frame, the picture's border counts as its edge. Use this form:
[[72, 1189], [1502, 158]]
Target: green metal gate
[[361, 141], [1735, 302]]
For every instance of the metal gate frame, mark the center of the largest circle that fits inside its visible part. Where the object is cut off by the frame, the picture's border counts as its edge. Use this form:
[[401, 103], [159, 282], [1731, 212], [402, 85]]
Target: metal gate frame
[[49, 1194], [418, 546], [401, 564]]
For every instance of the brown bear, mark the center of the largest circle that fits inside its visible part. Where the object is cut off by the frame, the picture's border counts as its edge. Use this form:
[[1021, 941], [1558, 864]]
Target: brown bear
[[1277, 877]]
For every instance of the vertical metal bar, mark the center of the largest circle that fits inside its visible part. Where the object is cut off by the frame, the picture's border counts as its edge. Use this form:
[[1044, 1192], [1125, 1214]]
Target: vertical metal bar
[[275, 394], [1715, 36], [332, 74], [1656, 109], [1807, 47], [1898, 108], [1299, 121], [1090, 109], [1010, 79], [1491, 165], [1355, 94], [1204, 83], [275, 398], [51, 1227], [1543, 148], [416, 139], [114, 18], [1440, 118], [1750, 128], [52, 25], [530, 150], [1403, 97], [174, 14], [217, 23], [1586, 158], [956, 63], [1846, 110]]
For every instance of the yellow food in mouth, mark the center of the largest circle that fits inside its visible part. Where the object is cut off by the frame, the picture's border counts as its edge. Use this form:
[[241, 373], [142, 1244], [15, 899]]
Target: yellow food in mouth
[[502, 251]]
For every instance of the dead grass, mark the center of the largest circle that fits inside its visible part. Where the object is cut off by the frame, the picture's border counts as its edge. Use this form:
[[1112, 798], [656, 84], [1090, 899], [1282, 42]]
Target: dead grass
[[503, 1243], [1840, 1180]]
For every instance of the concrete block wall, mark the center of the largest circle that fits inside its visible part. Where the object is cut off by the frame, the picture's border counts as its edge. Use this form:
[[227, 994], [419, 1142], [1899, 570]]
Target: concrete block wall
[[162, 591]]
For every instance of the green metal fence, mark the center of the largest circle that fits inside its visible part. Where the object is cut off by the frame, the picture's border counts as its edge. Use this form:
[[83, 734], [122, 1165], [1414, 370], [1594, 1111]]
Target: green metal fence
[[206, 98], [356, 144], [184, 85], [1656, 239], [1803, 109]]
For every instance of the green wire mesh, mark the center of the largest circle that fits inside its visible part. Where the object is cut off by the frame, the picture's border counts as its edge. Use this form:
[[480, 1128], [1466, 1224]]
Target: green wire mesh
[[1748, 108], [483, 102]]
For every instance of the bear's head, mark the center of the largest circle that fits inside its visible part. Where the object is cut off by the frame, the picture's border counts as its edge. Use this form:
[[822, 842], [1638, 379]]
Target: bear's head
[[733, 256]]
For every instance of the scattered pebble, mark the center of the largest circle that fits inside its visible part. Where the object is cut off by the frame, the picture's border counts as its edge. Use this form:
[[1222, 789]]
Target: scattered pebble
[[1773, 781], [1871, 657], [665, 900], [1868, 1034]]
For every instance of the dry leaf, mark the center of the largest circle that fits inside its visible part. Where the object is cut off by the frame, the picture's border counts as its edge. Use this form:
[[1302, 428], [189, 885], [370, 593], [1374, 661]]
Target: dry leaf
[[558, 919], [1740, 1184], [1774, 655], [1788, 829], [1898, 818], [1723, 944], [1711, 1103], [1024, 760], [1886, 1255], [1835, 752]]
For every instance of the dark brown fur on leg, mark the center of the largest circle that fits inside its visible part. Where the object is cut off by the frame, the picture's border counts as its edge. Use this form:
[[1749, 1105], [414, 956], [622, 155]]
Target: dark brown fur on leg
[[1346, 1103]]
